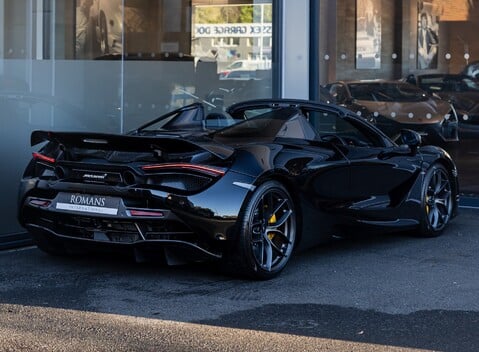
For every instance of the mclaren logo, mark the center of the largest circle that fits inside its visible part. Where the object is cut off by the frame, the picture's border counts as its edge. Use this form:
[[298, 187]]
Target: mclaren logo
[[97, 177]]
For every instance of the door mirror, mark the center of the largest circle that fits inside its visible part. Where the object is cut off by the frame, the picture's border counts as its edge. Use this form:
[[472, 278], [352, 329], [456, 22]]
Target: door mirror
[[410, 138]]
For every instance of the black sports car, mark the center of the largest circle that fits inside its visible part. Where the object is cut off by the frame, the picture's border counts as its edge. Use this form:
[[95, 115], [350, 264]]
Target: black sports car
[[283, 175]]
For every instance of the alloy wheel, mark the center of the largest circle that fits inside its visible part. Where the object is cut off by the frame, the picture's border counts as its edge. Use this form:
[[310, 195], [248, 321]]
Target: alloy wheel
[[272, 229], [438, 200]]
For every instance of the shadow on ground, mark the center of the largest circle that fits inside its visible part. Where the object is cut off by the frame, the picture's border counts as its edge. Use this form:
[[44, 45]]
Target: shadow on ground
[[432, 330], [407, 274]]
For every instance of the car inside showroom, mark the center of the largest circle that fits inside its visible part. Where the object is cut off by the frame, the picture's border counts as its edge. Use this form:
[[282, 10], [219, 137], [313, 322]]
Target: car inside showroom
[[109, 66]]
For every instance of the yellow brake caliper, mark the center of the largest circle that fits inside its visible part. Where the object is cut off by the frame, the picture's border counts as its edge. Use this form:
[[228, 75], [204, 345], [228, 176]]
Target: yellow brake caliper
[[271, 220]]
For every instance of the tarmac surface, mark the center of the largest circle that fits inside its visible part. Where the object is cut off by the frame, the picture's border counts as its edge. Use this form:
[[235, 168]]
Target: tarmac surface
[[381, 293]]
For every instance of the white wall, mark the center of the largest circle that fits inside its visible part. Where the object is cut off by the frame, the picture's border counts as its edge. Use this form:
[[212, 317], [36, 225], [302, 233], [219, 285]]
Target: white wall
[[295, 49]]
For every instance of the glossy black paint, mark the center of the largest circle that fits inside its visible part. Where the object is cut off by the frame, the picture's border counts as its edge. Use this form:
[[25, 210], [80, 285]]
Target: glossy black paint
[[337, 185]]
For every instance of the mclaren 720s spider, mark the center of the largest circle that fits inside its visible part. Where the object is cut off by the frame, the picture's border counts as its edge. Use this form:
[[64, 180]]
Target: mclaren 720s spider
[[246, 187]]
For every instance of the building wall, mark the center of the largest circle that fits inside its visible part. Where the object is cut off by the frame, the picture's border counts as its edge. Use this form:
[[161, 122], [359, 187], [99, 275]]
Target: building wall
[[391, 14], [47, 84], [399, 26]]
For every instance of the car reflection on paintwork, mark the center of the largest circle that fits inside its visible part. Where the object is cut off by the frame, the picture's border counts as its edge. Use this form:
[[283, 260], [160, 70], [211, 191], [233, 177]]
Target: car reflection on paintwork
[[394, 105]]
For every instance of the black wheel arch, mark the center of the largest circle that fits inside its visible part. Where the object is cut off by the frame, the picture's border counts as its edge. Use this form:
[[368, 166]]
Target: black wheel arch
[[234, 252], [285, 180]]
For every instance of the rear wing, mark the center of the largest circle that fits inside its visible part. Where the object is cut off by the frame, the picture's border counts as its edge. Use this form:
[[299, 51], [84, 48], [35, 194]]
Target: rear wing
[[117, 142]]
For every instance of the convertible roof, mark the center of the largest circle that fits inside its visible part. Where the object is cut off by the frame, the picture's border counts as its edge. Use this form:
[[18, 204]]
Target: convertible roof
[[292, 103]]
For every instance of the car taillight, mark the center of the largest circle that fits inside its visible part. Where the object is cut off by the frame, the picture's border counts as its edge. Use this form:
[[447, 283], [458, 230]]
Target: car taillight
[[41, 157], [42, 203], [136, 212], [181, 177], [212, 171]]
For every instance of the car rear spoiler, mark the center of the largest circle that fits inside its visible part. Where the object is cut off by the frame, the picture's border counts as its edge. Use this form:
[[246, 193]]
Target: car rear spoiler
[[117, 142]]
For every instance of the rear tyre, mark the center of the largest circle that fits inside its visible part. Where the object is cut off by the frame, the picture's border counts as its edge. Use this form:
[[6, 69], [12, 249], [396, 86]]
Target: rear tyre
[[437, 201], [268, 232]]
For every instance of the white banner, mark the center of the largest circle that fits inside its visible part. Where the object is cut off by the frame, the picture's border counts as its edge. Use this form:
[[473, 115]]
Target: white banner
[[87, 209]]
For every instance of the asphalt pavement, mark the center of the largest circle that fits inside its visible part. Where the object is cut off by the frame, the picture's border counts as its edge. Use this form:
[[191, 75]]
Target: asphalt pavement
[[381, 293]]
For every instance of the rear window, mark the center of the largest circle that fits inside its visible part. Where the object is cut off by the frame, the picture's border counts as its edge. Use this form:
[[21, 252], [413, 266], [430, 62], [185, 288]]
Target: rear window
[[274, 123]]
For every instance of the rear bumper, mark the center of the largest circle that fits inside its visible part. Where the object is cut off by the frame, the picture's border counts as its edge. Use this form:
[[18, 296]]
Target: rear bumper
[[179, 248], [201, 223]]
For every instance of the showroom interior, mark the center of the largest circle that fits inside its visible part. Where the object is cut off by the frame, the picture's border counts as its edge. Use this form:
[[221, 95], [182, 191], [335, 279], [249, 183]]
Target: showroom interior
[[110, 66]]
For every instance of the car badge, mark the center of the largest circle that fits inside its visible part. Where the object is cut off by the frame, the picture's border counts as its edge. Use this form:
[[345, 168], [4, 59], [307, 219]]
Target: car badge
[[99, 177]]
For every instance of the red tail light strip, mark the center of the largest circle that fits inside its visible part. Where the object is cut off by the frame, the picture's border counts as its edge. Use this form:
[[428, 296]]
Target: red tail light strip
[[146, 213], [38, 156], [185, 166], [40, 203]]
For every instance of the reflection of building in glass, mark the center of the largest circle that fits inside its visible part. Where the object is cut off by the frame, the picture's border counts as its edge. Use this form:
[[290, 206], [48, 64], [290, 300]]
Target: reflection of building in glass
[[457, 10], [226, 34], [109, 27]]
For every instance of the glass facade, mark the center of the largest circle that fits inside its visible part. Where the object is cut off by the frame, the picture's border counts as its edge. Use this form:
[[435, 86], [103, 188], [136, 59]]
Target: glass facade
[[371, 52], [111, 65]]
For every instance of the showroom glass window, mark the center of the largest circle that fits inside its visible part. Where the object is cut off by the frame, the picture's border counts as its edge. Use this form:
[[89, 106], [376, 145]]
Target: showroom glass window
[[177, 52], [111, 65], [427, 43]]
